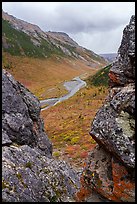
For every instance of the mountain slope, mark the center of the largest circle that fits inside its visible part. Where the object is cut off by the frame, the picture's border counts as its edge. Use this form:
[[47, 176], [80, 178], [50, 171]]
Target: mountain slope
[[101, 77], [42, 61], [110, 56], [22, 38], [18, 42]]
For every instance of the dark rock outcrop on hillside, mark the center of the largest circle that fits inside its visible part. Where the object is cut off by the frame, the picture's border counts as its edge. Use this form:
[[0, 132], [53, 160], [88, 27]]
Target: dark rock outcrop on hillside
[[111, 165], [29, 173]]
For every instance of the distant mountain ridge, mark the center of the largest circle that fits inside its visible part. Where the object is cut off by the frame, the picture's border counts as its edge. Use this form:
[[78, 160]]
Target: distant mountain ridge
[[109, 56], [26, 39]]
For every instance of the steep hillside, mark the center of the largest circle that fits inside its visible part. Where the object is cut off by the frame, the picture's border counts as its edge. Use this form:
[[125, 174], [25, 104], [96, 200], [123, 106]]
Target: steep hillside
[[100, 78], [42, 61], [22, 38], [18, 42]]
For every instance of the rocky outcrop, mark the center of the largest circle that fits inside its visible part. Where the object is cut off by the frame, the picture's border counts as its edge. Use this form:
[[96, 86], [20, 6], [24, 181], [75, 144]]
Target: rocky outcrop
[[29, 173], [111, 165], [21, 123], [21, 25], [62, 38], [114, 124], [123, 70]]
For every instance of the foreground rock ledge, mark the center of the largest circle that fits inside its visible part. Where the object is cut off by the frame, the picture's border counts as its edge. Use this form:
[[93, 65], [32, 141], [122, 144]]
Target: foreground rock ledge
[[29, 173], [110, 168]]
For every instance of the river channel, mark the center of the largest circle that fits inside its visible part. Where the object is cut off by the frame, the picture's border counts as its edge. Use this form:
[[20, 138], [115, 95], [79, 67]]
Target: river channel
[[71, 86]]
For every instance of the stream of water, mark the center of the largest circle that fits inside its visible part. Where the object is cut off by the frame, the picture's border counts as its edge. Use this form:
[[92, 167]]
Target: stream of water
[[71, 86]]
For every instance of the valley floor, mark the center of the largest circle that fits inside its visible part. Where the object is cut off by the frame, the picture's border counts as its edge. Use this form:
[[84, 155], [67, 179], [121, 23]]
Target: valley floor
[[68, 124], [45, 77]]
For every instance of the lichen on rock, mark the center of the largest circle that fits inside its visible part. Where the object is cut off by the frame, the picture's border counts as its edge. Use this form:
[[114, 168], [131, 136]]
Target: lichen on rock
[[33, 177], [113, 128], [29, 173]]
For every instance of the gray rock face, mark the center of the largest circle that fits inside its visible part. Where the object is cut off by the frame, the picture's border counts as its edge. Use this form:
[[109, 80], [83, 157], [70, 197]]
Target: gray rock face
[[20, 116], [114, 124], [28, 176], [106, 176], [29, 173], [109, 171], [123, 69]]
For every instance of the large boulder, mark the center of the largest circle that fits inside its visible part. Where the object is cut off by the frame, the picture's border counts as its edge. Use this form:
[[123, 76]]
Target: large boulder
[[29, 173], [114, 124], [110, 167], [105, 175], [29, 176], [21, 122]]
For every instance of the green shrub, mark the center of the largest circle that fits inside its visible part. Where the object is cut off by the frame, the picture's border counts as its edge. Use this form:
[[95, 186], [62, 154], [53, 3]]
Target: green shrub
[[100, 78], [67, 138], [74, 140], [56, 154], [19, 43]]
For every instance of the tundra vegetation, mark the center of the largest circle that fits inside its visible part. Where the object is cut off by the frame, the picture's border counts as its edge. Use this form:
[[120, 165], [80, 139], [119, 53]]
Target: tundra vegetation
[[68, 123]]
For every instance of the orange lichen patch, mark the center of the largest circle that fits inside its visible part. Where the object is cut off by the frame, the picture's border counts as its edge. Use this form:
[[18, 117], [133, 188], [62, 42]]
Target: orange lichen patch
[[83, 193], [119, 189], [109, 196], [123, 187], [101, 185], [114, 77], [118, 171]]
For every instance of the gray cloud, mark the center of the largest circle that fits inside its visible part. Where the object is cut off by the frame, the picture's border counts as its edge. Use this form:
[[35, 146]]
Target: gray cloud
[[93, 17], [95, 25]]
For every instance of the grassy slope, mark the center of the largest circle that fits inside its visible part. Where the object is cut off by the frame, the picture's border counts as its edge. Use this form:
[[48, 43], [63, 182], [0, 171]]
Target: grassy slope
[[20, 43], [44, 76], [39, 75], [100, 78], [68, 123]]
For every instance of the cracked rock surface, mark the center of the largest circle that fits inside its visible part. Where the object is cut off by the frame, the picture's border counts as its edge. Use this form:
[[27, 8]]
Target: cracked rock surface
[[114, 124], [110, 167], [29, 173]]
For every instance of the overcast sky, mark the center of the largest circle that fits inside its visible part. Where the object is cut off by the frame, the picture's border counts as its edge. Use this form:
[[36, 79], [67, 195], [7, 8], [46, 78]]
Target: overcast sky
[[97, 26]]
